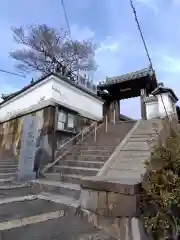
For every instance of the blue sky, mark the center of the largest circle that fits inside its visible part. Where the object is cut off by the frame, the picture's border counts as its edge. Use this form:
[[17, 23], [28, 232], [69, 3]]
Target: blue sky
[[110, 23]]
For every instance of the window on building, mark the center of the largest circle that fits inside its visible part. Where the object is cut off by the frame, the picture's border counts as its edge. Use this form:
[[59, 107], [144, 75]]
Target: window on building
[[62, 116], [66, 120], [70, 121]]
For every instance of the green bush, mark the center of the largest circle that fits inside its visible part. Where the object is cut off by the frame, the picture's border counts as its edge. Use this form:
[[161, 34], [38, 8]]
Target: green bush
[[160, 204]]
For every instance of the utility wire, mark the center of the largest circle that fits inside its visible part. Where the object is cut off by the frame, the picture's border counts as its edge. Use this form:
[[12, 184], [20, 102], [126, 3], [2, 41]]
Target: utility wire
[[69, 32], [66, 18], [15, 74], [140, 31], [145, 47]]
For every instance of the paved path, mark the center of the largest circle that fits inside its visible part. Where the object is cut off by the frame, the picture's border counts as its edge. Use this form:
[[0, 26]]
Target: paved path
[[37, 219]]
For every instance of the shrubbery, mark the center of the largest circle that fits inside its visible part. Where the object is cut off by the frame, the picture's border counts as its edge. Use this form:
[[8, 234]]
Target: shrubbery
[[160, 203]]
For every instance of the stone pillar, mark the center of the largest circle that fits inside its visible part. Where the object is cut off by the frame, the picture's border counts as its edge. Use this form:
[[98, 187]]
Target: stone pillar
[[117, 110], [109, 108], [143, 106], [106, 107], [111, 111]]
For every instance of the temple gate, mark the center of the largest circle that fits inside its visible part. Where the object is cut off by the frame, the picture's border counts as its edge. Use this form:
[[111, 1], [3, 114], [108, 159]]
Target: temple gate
[[140, 83]]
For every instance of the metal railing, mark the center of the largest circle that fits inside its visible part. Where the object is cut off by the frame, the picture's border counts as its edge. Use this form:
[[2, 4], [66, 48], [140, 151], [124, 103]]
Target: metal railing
[[70, 145]]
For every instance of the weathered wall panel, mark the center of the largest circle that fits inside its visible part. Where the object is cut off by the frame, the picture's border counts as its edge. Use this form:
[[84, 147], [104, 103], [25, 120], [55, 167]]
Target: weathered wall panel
[[11, 131], [64, 136]]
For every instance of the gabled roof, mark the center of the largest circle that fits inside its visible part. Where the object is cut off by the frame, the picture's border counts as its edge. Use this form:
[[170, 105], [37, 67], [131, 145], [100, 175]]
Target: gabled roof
[[145, 72], [162, 89], [65, 79]]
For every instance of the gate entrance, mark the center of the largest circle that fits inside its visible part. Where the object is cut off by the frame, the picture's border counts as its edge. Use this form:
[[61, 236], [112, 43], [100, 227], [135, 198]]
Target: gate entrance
[[140, 83]]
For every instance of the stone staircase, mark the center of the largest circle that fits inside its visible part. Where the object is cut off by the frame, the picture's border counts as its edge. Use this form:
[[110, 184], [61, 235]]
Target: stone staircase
[[85, 160], [135, 151], [51, 212], [113, 196], [8, 168]]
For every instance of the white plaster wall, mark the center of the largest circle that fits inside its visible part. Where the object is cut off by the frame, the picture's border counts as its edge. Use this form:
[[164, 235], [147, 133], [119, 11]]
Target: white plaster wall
[[62, 93], [75, 99], [152, 110], [168, 103], [42, 91]]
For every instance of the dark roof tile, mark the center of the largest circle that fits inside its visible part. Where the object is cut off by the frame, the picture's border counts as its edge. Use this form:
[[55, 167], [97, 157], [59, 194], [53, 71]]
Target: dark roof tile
[[130, 76]]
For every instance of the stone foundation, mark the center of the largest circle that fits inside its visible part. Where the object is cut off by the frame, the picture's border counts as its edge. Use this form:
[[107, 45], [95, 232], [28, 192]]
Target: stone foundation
[[116, 211]]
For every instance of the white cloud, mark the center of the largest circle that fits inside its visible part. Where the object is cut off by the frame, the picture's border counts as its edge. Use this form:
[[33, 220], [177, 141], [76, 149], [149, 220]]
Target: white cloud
[[81, 33], [171, 64], [166, 62], [152, 4], [111, 47]]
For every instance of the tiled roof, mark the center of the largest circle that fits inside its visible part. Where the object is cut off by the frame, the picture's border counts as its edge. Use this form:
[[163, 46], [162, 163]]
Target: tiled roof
[[130, 76], [10, 96], [164, 89]]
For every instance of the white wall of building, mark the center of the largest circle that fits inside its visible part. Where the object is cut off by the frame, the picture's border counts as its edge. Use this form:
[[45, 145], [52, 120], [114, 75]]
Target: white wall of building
[[75, 99], [152, 109], [53, 88], [32, 96], [167, 104], [160, 108]]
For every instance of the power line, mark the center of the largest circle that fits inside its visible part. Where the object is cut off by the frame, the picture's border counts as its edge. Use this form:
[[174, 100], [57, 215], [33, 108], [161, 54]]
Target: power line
[[69, 32], [146, 49], [140, 31], [16, 74], [66, 18]]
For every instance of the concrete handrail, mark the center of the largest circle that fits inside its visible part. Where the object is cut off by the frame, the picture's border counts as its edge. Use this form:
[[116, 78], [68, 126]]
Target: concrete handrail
[[118, 149]]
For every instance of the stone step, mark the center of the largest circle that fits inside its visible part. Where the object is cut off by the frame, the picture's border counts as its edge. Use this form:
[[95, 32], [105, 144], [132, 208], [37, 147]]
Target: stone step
[[9, 163], [58, 187], [73, 163], [103, 152], [6, 180], [146, 131], [8, 166], [15, 210], [91, 158], [52, 217], [140, 138], [76, 170], [10, 192], [141, 146], [98, 147], [8, 170], [53, 176], [71, 178], [105, 142], [91, 150], [59, 198], [129, 165], [141, 155], [125, 174], [7, 175]]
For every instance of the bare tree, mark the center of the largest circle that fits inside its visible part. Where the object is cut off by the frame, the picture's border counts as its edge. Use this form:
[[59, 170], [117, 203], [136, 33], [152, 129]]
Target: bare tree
[[45, 49]]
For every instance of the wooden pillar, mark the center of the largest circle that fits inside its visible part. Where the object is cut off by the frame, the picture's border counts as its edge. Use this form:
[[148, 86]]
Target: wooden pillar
[[143, 106]]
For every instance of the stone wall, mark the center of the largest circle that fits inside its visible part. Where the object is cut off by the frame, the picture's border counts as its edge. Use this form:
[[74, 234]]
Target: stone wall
[[11, 133]]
